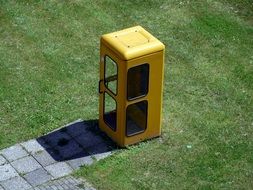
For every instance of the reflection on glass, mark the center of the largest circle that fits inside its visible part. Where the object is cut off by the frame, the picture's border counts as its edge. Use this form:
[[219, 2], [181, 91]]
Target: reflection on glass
[[110, 111], [136, 118], [111, 75]]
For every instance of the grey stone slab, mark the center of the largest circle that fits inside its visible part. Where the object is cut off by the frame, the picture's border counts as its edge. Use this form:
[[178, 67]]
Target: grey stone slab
[[37, 177], [66, 183], [64, 186], [26, 165], [98, 149], [54, 187], [59, 169], [102, 155], [78, 162], [71, 180], [7, 172], [77, 128], [88, 139], [57, 137], [69, 149], [32, 146], [47, 157], [2, 160], [17, 183], [43, 143], [14, 152]]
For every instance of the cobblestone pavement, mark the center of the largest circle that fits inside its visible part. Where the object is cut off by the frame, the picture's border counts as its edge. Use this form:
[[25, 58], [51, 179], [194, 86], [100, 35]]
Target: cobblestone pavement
[[68, 182], [45, 163]]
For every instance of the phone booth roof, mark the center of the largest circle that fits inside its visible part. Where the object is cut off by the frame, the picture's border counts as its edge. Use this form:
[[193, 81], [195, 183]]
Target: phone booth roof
[[132, 43]]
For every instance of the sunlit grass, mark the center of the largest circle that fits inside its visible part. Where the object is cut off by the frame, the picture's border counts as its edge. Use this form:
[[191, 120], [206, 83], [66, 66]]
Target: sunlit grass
[[49, 54]]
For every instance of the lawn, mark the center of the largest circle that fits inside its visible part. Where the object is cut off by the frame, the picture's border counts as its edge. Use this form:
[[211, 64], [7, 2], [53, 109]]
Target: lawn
[[49, 65]]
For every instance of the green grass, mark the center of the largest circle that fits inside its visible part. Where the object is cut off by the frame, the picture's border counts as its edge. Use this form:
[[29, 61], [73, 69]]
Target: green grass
[[49, 54]]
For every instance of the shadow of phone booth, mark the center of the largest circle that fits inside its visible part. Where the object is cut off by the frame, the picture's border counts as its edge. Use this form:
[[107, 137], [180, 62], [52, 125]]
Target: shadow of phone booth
[[130, 86]]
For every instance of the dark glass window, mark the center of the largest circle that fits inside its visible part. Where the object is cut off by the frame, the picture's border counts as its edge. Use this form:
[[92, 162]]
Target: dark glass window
[[111, 75], [137, 81], [136, 118], [110, 111]]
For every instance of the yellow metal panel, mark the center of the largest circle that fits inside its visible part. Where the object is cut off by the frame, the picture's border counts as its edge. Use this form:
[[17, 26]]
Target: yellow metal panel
[[154, 96], [133, 39], [118, 135], [132, 43]]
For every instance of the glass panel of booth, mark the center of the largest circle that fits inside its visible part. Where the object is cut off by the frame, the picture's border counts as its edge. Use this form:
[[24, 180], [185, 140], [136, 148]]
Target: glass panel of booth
[[137, 81], [111, 75], [136, 118], [110, 111]]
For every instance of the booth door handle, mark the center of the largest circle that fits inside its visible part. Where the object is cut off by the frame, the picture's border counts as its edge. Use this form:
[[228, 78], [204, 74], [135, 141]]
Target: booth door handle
[[99, 86]]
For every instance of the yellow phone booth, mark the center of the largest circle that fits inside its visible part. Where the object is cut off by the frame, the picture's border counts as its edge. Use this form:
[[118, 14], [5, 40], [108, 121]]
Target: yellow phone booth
[[130, 86]]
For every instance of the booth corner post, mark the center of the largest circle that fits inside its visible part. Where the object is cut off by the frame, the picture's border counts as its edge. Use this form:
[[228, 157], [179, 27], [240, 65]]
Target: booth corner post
[[130, 86]]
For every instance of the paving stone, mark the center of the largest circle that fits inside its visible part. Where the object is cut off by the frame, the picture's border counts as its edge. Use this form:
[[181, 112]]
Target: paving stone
[[64, 186], [59, 169], [54, 187], [54, 138], [80, 161], [71, 180], [77, 128], [102, 155], [7, 172], [17, 183], [69, 149], [66, 183], [14, 152], [88, 139], [47, 157], [32, 146], [37, 177], [98, 149], [26, 165], [43, 143], [2, 160]]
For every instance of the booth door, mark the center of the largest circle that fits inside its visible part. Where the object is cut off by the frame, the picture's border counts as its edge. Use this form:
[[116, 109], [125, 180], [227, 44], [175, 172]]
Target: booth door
[[137, 90], [110, 91]]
